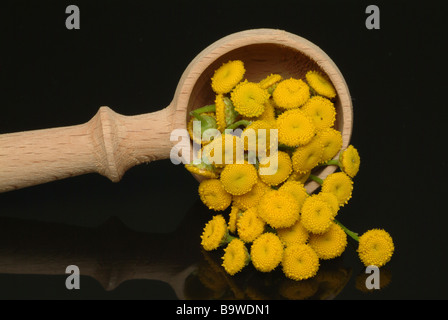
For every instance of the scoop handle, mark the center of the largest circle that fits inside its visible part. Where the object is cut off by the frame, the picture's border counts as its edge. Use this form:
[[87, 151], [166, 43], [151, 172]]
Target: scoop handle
[[108, 144]]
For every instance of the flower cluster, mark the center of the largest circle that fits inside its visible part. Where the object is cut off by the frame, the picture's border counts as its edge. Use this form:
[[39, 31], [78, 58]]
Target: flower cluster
[[269, 219]]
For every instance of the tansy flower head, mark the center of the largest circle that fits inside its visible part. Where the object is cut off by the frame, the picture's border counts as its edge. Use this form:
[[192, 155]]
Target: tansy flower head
[[330, 244], [300, 262], [249, 99], [235, 257], [350, 161], [268, 113], [225, 149], [270, 81], [297, 189], [316, 215], [259, 132], [220, 112], [320, 84], [306, 157], [301, 177], [284, 169], [294, 128], [266, 252], [321, 111], [331, 140], [215, 233], [340, 185], [238, 179], [375, 247], [279, 209], [249, 225], [213, 195], [330, 199], [227, 76], [291, 93], [253, 197], [296, 234]]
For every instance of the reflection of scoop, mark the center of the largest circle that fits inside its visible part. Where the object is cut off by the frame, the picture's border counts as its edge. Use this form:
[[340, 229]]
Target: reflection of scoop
[[111, 253], [111, 143]]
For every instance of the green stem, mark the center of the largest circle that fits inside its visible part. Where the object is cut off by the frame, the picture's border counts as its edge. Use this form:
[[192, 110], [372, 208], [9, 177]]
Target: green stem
[[239, 123], [197, 116], [317, 179], [333, 162], [228, 238], [352, 234]]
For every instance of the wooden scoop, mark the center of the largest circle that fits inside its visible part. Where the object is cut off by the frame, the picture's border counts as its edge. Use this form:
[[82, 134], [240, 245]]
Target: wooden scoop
[[110, 143]]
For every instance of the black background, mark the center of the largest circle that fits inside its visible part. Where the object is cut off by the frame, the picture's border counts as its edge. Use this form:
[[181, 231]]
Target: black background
[[130, 55]]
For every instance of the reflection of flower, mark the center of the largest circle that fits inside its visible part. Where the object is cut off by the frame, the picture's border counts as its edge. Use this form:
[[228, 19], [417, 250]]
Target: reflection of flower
[[249, 225], [213, 195], [291, 93], [340, 185], [249, 99], [239, 179], [375, 247], [266, 252], [279, 209], [227, 76], [294, 128], [235, 256], [300, 262], [350, 161], [320, 84], [330, 244], [214, 234], [321, 111]]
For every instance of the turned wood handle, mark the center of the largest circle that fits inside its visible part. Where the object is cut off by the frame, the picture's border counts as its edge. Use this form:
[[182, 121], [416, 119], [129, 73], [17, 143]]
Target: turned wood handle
[[108, 144]]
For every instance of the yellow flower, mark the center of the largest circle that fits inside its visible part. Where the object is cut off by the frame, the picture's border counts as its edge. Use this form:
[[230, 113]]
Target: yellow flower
[[297, 189], [329, 198], [340, 185], [308, 156], [270, 80], [239, 179], [227, 76], [268, 113], [301, 177], [249, 99], [376, 247], [202, 170], [253, 197], [316, 215], [235, 213], [223, 150], [279, 209], [201, 137], [235, 257], [294, 128], [249, 225], [291, 93], [320, 84], [350, 161], [213, 195], [331, 140], [321, 111], [214, 234], [330, 244], [296, 234], [284, 169], [220, 112], [266, 252], [300, 262]]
